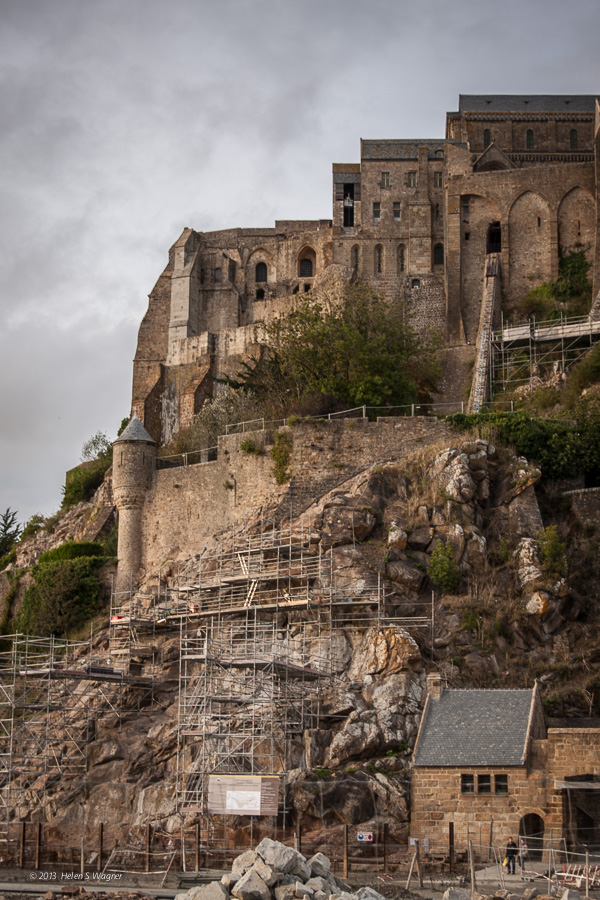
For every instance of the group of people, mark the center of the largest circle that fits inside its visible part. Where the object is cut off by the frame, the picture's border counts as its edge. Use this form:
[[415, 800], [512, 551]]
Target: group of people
[[512, 851]]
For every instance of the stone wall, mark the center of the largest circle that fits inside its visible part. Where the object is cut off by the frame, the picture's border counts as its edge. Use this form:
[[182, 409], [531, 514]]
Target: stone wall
[[585, 505], [186, 505], [437, 800]]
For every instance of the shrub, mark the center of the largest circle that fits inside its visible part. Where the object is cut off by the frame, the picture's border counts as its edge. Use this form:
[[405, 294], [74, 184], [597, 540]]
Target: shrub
[[36, 523], [553, 552], [442, 569], [65, 594], [71, 550], [82, 482], [249, 446], [281, 453]]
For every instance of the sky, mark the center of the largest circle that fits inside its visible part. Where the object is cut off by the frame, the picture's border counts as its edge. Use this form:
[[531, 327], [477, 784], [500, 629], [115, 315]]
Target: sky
[[124, 121]]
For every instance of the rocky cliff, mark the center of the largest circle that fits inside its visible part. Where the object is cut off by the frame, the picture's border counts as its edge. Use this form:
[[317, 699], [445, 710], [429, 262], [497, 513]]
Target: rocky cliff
[[446, 559]]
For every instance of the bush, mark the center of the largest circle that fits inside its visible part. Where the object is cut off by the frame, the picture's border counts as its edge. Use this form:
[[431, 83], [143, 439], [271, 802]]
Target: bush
[[281, 453], [36, 523], [82, 482], [65, 594], [442, 569], [249, 446], [553, 552], [71, 550]]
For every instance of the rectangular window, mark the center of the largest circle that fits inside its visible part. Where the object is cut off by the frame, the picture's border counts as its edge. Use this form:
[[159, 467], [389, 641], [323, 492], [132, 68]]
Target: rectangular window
[[465, 208], [437, 179], [484, 784], [501, 784], [467, 784], [376, 212], [397, 211], [467, 235], [411, 179], [385, 179]]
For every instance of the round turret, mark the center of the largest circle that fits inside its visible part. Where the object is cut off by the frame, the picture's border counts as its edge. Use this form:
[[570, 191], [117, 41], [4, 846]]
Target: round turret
[[134, 455]]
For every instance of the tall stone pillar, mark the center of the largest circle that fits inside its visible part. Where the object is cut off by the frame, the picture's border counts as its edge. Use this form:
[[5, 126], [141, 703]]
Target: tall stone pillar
[[134, 455]]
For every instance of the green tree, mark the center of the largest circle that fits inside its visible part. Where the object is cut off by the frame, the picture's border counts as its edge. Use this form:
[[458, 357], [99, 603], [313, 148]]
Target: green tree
[[10, 531], [355, 349], [442, 569], [97, 447]]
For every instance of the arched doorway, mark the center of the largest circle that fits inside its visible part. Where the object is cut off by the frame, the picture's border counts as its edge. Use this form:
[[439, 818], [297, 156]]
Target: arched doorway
[[531, 828], [494, 238]]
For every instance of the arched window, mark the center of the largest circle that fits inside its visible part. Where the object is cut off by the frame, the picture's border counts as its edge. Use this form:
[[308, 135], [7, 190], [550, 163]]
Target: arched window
[[438, 255], [573, 139], [378, 259], [487, 137], [306, 268], [260, 273], [401, 259], [529, 139], [218, 275]]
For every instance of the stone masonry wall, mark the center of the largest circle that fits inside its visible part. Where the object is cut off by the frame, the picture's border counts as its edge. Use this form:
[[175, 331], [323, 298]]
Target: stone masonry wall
[[437, 799], [186, 505], [585, 505]]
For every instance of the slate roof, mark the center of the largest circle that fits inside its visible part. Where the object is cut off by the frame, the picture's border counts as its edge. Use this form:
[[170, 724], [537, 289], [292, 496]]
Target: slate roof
[[400, 149], [135, 431], [475, 728], [526, 102]]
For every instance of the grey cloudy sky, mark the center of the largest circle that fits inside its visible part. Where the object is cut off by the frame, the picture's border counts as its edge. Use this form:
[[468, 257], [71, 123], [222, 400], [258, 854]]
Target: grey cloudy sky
[[123, 121]]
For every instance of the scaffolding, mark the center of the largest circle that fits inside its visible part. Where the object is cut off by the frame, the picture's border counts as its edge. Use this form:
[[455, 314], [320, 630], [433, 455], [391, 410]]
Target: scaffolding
[[257, 649], [522, 352], [50, 694]]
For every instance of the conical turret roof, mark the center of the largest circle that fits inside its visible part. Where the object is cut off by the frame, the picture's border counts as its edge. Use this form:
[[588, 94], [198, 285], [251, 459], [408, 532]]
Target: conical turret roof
[[135, 431]]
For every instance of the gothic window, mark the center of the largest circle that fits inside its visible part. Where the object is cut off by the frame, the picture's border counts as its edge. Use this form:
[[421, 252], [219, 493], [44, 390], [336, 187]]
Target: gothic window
[[385, 179], [397, 211], [437, 179], [401, 259], [306, 268], [260, 273], [573, 139], [411, 179], [438, 255], [378, 259], [487, 138], [529, 139], [377, 212]]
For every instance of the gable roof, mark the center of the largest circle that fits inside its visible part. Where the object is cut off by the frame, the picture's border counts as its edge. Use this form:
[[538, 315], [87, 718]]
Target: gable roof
[[475, 728], [492, 155], [526, 102]]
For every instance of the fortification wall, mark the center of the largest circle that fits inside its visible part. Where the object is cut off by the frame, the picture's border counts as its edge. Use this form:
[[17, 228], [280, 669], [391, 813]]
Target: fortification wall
[[185, 506]]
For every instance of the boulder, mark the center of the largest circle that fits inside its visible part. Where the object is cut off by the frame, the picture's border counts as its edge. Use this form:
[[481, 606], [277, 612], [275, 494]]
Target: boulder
[[277, 855], [420, 538], [268, 874], [342, 525], [456, 893], [359, 737], [213, 891], [397, 538], [250, 887], [383, 651], [243, 862], [406, 575]]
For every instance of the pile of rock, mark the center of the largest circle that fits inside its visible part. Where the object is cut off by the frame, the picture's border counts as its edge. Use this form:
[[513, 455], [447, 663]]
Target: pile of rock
[[276, 872]]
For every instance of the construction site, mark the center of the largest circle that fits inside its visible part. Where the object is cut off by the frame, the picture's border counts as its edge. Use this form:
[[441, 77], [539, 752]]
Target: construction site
[[257, 626]]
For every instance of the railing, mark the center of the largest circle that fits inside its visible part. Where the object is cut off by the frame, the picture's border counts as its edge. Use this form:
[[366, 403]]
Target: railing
[[538, 330]]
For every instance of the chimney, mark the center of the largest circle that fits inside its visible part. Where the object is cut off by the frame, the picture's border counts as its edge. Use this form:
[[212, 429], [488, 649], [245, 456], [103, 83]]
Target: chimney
[[434, 685]]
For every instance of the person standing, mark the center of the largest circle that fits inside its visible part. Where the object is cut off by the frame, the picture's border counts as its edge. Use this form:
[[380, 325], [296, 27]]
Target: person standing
[[511, 855], [522, 853]]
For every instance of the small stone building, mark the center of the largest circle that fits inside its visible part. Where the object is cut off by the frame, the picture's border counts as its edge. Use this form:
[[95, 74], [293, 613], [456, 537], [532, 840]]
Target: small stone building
[[485, 766]]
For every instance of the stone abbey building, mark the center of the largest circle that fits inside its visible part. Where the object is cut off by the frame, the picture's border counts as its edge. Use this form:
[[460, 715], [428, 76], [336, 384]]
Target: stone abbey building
[[514, 175]]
